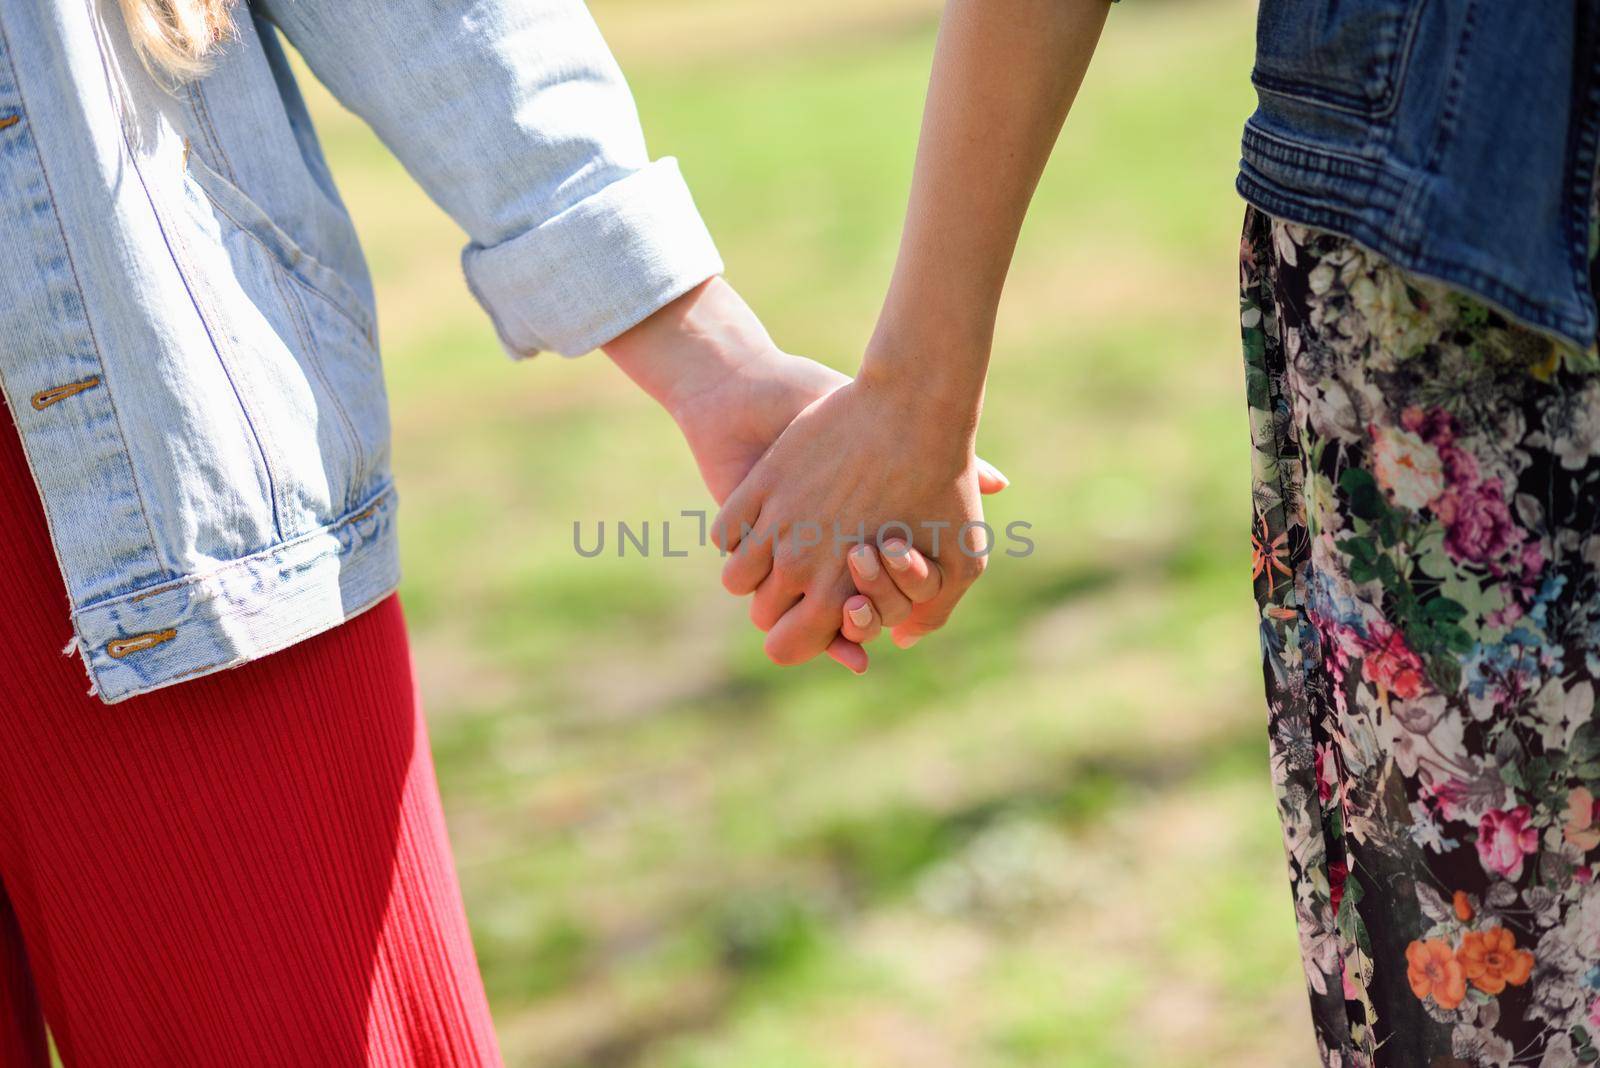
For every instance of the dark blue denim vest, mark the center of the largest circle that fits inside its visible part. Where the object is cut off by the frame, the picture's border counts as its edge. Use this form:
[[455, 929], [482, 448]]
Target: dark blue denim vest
[[1456, 137]]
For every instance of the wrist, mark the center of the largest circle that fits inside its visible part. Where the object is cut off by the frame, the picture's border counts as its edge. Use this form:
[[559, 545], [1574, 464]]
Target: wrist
[[937, 426], [691, 344], [941, 380]]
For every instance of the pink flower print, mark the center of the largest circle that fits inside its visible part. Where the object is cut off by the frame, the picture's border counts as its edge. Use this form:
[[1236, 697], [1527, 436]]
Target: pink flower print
[[1478, 525], [1460, 466], [1325, 773], [1505, 838]]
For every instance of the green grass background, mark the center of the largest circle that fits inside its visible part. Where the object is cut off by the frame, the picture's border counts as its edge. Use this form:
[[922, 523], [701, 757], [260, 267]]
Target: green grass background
[[1044, 838]]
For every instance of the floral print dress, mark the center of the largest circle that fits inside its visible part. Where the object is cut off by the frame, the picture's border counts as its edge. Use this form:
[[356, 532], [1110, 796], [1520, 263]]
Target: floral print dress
[[1427, 568]]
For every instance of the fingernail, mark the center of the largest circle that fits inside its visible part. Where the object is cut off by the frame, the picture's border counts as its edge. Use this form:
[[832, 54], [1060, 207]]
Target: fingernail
[[994, 472], [908, 642], [861, 615], [866, 561], [897, 554]]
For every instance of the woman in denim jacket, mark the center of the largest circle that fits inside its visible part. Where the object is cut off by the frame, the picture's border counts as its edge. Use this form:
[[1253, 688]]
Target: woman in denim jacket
[[249, 866]]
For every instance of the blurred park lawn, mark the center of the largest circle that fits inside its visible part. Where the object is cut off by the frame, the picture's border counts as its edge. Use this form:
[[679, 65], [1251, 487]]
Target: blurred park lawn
[[1043, 838]]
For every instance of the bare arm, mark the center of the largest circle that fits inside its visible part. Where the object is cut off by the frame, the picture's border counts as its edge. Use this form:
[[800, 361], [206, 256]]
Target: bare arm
[[1005, 74]]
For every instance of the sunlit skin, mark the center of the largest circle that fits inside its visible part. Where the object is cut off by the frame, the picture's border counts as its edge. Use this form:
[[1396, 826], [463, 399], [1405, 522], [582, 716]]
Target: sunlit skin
[[708, 361], [1004, 76], [783, 442]]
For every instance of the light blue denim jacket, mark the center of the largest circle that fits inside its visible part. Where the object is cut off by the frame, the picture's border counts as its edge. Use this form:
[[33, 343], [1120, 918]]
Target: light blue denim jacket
[[188, 327]]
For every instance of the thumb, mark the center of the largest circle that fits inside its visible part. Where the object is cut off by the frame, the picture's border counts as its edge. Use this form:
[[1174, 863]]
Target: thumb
[[990, 479]]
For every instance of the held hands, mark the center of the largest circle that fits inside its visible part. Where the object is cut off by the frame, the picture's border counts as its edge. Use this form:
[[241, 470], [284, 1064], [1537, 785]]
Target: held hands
[[807, 448], [876, 462], [881, 450]]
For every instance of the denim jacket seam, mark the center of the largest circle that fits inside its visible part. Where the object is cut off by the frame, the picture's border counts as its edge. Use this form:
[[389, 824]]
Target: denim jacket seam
[[362, 510], [1267, 83], [229, 170], [174, 244], [1411, 216], [1450, 110], [238, 660], [360, 322], [1408, 47], [178, 249], [1352, 105], [1297, 153], [368, 562], [88, 319], [1342, 167], [303, 326], [204, 127], [1580, 188]]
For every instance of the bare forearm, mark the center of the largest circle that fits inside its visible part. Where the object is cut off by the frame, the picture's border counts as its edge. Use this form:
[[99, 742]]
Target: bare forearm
[[1004, 76]]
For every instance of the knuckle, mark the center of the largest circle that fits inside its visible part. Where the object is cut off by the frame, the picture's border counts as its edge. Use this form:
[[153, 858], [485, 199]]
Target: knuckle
[[894, 614], [818, 613], [783, 653], [735, 581], [969, 568], [790, 573]]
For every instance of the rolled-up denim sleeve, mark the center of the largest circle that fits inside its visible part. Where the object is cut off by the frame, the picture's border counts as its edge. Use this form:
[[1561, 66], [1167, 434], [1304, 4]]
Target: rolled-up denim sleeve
[[514, 117]]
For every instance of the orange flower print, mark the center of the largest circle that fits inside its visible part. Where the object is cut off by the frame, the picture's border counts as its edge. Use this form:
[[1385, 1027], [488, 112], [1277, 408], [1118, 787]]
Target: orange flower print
[[1434, 971], [1390, 664], [1491, 959], [1582, 829], [1463, 906]]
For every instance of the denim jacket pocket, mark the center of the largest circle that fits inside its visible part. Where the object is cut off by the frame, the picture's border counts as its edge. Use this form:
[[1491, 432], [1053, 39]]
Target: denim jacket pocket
[[1350, 56], [236, 205], [300, 347]]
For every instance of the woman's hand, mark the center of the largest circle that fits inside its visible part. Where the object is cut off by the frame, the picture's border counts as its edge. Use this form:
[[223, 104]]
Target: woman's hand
[[892, 583], [869, 461], [708, 361]]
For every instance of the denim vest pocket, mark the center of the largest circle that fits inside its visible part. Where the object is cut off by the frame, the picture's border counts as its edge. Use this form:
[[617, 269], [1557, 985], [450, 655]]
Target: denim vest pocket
[[1349, 56]]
